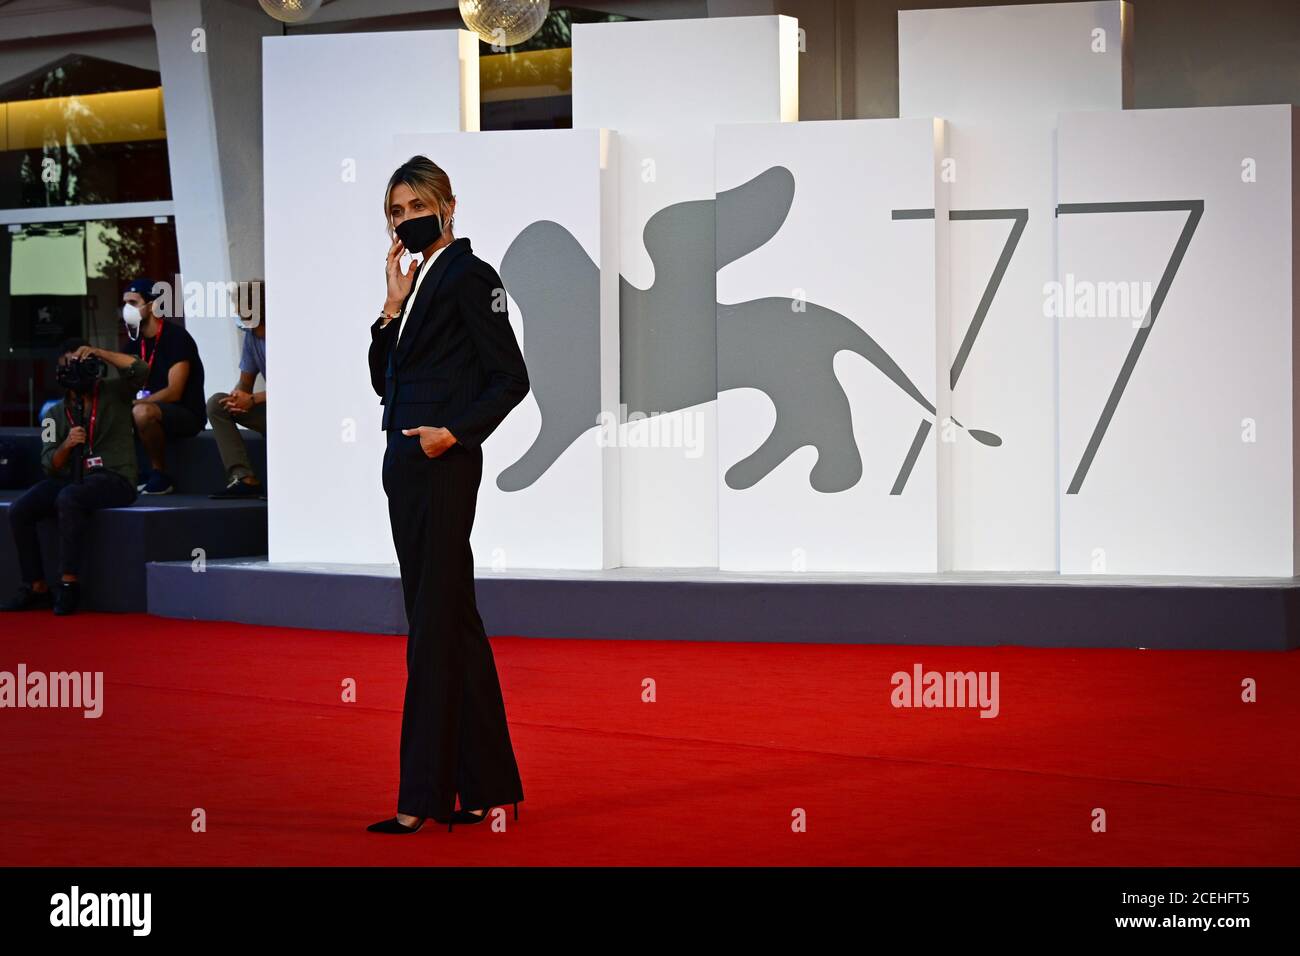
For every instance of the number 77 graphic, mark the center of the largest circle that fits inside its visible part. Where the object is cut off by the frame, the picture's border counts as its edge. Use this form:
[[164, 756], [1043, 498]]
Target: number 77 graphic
[[1018, 218], [1194, 208]]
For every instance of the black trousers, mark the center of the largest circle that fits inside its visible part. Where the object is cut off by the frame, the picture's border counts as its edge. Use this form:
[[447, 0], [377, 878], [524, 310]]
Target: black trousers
[[454, 733], [71, 504]]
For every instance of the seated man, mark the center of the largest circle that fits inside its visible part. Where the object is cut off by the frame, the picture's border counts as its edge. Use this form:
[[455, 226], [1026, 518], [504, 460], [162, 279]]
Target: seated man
[[171, 404], [92, 424], [242, 406]]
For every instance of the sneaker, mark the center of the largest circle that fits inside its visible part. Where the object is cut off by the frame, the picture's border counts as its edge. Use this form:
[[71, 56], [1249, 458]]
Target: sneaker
[[144, 479], [158, 484], [238, 488], [67, 595], [28, 600]]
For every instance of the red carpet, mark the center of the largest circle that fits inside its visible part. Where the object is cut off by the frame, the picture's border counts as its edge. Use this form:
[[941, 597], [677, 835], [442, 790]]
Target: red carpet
[[248, 723]]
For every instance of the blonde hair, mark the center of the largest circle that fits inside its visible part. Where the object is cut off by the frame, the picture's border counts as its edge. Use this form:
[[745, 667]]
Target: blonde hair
[[428, 181]]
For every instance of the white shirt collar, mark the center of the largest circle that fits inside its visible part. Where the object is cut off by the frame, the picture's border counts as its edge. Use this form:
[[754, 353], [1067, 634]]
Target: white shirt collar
[[425, 268]]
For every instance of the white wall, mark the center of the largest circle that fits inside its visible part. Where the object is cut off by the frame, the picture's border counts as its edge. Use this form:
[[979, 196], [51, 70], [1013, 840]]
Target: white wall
[[552, 237], [795, 315], [663, 85], [330, 115], [1190, 411], [1000, 76]]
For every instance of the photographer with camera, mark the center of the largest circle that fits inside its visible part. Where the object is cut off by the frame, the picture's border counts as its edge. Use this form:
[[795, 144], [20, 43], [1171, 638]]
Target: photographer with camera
[[88, 452]]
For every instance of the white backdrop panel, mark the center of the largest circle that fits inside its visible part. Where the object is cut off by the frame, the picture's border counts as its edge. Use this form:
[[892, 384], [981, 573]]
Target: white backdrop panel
[[662, 85], [549, 493], [1192, 471], [329, 114], [1000, 75], [827, 345]]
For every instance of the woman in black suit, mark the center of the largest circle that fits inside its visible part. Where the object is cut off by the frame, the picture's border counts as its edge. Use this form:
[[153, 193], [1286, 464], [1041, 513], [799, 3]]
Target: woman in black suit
[[446, 365]]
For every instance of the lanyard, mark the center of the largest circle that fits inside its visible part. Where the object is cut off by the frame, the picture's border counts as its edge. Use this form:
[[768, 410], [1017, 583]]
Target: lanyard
[[94, 413], [156, 336]]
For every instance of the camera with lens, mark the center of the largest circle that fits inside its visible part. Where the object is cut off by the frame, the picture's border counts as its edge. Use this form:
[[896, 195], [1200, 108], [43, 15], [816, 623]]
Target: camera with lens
[[80, 375]]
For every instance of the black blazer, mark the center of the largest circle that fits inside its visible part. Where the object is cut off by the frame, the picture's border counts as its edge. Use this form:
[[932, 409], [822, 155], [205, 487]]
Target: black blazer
[[458, 364]]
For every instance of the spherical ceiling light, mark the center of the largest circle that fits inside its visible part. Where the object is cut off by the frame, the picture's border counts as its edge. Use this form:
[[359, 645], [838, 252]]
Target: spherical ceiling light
[[290, 11], [504, 22]]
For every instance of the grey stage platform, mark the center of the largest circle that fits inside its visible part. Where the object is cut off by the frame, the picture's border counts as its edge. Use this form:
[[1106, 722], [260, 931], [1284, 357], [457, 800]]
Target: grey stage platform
[[154, 528], [705, 605], [122, 541], [194, 463]]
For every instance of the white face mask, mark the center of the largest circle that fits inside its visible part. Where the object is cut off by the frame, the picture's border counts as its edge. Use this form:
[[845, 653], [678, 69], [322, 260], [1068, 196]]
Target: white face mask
[[132, 317]]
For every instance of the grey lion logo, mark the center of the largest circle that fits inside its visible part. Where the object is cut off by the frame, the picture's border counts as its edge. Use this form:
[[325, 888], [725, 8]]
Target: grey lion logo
[[669, 328]]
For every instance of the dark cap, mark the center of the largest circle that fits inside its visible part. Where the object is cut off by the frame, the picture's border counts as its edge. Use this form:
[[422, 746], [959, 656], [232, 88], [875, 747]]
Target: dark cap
[[144, 287]]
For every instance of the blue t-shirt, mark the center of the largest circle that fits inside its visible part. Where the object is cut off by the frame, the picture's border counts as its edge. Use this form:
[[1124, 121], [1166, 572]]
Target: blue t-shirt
[[253, 358]]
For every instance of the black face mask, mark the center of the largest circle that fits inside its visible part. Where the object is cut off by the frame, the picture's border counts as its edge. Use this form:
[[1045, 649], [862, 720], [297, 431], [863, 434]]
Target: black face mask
[[419, 233]]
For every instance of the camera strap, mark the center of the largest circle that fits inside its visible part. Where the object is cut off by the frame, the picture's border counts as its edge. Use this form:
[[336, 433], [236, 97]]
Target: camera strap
[[94, 413]]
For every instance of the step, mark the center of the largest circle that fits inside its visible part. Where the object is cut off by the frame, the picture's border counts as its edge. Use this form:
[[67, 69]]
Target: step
[[194, 463], [122, 542], [960, 609]]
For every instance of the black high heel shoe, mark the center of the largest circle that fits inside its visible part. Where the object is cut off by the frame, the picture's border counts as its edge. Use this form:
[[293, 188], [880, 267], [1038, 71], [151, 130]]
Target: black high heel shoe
[[464, 816], [394, 825]]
